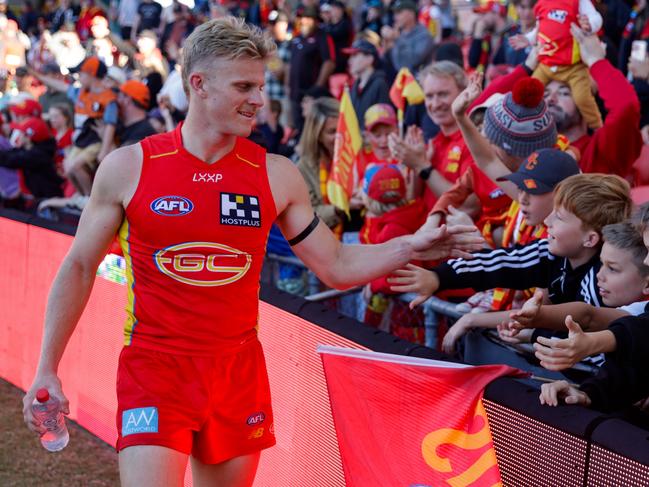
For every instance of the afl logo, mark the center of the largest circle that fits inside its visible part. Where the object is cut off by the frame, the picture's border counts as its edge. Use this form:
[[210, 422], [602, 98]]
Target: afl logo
[[256, 418], [172, 206], [204, 264]]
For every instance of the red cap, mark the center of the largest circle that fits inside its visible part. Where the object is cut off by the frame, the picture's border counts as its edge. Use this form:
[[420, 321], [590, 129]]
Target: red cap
[[380, 113], [491, 6], [385, 183], [42, 395], [26, 107], [34, 128]]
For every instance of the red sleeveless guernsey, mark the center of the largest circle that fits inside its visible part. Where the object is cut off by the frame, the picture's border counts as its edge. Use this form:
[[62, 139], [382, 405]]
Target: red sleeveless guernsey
[[194, 238]]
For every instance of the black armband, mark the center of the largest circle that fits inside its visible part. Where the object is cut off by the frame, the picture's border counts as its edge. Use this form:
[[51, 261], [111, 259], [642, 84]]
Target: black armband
[[306, 232]]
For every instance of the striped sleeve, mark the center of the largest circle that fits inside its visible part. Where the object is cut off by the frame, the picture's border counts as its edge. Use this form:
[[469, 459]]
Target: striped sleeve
[[519, 267]]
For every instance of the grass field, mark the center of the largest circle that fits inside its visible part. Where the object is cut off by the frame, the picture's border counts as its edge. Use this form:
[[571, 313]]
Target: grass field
[[85, 462]]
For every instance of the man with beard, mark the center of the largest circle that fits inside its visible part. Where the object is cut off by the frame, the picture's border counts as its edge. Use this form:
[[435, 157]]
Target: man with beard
[[616, 145]]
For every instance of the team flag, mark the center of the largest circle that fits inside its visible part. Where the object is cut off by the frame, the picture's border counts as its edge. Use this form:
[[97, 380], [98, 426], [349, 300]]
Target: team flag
[[405, 89], [340, 184], [410, 421]]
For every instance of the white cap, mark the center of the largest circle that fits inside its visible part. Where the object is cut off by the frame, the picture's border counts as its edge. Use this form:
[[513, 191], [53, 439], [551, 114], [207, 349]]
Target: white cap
[[116, 74], [492, 100]]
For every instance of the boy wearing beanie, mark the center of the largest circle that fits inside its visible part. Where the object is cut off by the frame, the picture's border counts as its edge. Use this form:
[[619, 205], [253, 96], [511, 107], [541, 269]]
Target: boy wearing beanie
[[389, 215]]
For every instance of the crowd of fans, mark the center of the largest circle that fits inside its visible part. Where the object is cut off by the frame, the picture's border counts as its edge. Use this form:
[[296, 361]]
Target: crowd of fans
[[533, 126]]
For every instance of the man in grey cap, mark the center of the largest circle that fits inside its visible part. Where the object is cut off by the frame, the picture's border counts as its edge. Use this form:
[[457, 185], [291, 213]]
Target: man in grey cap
[[414, 46]]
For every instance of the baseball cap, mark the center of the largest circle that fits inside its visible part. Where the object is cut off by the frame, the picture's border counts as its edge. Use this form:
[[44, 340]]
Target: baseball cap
[[26, 107], [93, 66], [404, 5], [379, 113], [362, 45], [491, 6], [137, 91], [542, 171], [384, 183], [492, 100], [34, 128]]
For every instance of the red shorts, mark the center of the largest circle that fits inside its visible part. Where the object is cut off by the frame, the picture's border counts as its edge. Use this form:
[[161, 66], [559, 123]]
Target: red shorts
[[214, 408]]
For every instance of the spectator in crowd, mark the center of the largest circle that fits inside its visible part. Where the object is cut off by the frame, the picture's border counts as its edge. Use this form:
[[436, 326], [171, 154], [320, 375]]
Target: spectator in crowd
[[60, 119], [526, 23], [10, 196], [63, 15], [53, 97], [93, 104], [271, 129], [639, 72], [487, 31], [615, 146], [445, 158], [370, 86], [312, 60], [341, 30], [413, 48], [176, 30], [372, 16], [278, 63], [148, 17], [133, 100], [389, 214], [536, 180], [310, 96], [565, 263], [88, 11], [126, 15], [33, 154], [316, 149]]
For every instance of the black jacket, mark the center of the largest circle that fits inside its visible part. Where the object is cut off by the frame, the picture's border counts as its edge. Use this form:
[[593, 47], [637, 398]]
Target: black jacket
[[624, 377], [37, 165], [376, 90], [522, 267]]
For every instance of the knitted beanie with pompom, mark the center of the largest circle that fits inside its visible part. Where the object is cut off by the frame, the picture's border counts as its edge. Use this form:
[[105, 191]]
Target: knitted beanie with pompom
[[520, 123]]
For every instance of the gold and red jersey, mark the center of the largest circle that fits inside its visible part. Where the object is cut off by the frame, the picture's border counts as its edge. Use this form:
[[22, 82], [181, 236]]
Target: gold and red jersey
[[194, 238]]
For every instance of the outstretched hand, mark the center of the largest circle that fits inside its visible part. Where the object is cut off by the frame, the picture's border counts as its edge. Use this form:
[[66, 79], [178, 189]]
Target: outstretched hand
[[445, 241], [414, 279], [468, 95], [563, 354], [518, 42], [551, 393], [524, 317]]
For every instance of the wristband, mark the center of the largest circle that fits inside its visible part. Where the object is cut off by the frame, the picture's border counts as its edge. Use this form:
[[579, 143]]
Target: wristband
[[425, 173], [306, 232]]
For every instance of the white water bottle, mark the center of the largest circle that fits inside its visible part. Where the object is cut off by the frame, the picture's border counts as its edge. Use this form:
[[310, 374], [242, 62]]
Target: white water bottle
[[47, 411]]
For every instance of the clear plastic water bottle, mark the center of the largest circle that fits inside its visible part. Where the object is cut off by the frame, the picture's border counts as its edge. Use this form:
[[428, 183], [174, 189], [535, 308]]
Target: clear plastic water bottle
[[47, 411]]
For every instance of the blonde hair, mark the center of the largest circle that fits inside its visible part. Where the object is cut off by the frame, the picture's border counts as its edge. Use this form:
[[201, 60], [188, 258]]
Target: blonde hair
[[378, 208], [309, 146], [596, 199], [229, 38], [444, 69]]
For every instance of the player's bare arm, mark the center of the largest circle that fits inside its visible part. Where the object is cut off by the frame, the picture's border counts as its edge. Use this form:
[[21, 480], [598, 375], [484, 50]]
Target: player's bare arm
[[114, 184], [343, 266]]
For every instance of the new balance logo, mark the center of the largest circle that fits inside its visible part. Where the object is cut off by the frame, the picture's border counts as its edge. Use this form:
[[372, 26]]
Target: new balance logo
[[140, 420], [206, 177]]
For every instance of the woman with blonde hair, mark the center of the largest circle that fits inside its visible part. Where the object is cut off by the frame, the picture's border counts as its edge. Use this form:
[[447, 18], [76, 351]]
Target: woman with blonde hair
[[316, 149]]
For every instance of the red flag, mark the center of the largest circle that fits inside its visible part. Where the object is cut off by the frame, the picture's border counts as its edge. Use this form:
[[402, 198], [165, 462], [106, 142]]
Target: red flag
[[410, 421]]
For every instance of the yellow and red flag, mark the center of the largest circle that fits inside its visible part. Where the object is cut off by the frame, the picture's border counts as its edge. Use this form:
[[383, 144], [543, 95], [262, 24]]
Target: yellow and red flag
[[405, 89], [340, 184], [411, 421]]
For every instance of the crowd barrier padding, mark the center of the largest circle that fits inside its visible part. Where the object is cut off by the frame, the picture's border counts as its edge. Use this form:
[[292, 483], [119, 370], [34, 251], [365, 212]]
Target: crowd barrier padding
[[535, 445]]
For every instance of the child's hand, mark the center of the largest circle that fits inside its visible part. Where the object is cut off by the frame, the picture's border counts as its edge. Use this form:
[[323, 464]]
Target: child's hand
[[584, 24], [455, 332], [414, 279], [519, 42], [513, 337], [590, 47], [551, 393], [458, 217], [470, 93], [563, 354], [524, 317]]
